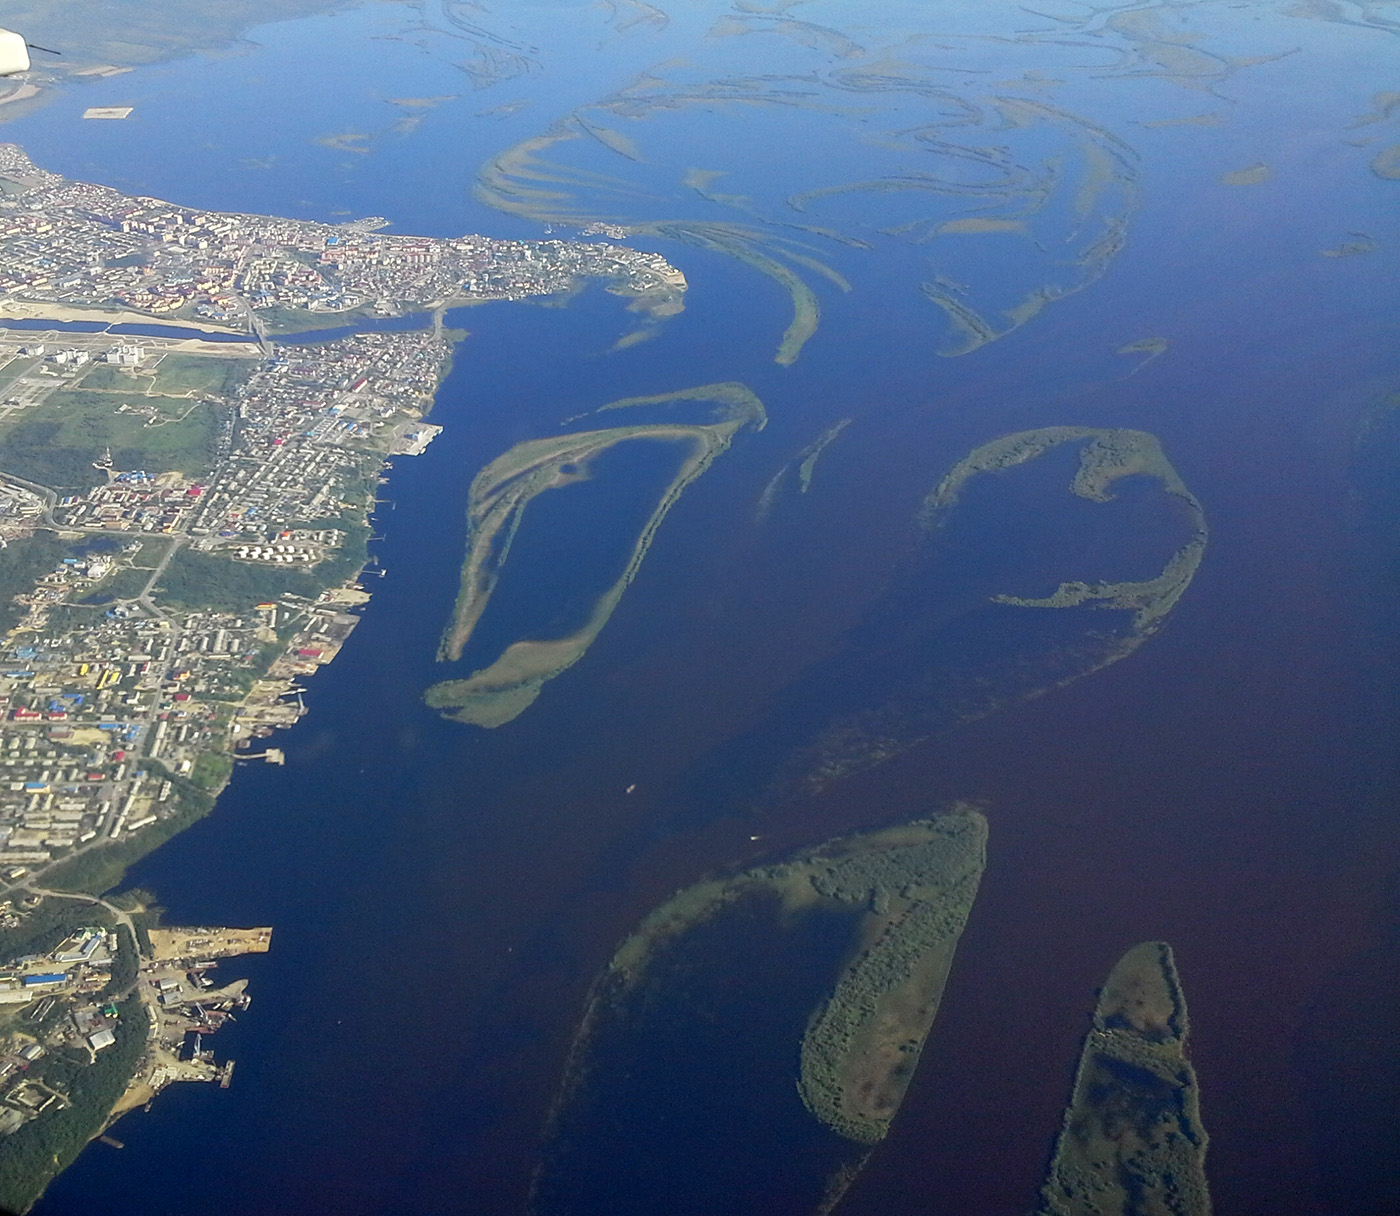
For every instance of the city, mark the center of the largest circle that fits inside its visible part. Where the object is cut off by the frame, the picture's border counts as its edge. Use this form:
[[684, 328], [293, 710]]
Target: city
[[184, 524]]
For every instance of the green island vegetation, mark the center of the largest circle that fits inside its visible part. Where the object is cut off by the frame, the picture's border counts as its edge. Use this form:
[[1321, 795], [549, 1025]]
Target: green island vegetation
[[41, 1149], [904, 893], [55, 443], [1106, 456], [1384, 105], [1162, 43], [1386, 163], [770, 492], [806, 462], [1361, 242], [748, 246], [809, 34], [980, 226], [1105, 192], [499, 496], [1148, 348], [357, 142], [506, 184], [918, 884], [1067, 210], [946, 660], [1190, 120], [422, 103], [1133, 1143], [1251, 175], [808, 457]]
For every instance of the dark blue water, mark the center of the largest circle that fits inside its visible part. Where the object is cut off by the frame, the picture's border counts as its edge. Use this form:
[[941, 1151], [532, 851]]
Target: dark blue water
[[442, 896], [686, 1084], [574, 543]]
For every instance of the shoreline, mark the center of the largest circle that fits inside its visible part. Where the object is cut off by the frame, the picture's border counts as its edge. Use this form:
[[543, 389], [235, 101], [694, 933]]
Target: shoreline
[[33, 310]]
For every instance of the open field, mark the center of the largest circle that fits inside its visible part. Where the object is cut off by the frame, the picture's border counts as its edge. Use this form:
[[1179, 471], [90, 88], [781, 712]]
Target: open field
[[54, 443], [176, 375], [170, 945]]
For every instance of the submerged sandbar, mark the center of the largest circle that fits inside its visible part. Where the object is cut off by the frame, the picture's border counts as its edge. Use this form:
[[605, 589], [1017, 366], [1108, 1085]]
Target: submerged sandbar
[[1106, 457], [500, 493]]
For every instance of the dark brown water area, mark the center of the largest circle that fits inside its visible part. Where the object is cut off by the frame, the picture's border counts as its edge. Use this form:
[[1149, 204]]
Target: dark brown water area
[[1226, 788]]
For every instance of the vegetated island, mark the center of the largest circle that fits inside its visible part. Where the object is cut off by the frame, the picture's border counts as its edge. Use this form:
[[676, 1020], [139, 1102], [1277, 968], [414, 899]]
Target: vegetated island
[[523, 181], [1133, 1143], [1148, 348], [1386, 163], [972, 656], [551, 177], [1251, 175], [918, 884], [1107, 456], [806, 462], [499, 496], [910, 889], [1361, 243]]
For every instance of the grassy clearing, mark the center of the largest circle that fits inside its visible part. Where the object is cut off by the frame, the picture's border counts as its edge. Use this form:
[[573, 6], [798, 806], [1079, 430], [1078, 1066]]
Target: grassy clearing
[[18, 366], [55, 443], [176, 375]]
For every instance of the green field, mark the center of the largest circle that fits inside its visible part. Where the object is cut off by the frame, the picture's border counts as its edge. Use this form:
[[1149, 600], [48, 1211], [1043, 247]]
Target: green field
[[1132, 1142], [285, 322], [174, 376], [55, 443], [14, 369]]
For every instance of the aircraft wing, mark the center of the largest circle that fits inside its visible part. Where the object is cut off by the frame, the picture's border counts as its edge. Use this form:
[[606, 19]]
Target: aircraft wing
[[14, 54]]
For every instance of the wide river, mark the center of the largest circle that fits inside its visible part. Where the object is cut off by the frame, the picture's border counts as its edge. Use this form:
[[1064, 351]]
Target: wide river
[[443, 895]]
